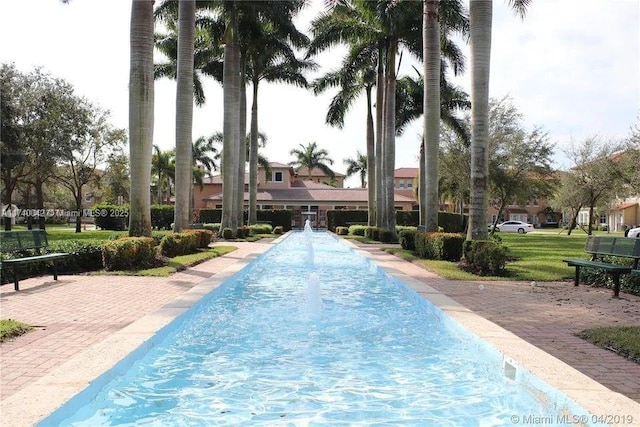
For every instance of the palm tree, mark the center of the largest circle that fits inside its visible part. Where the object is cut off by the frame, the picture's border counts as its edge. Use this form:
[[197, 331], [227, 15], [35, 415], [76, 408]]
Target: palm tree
[[358, 165], [141, 116], [270, 59], [184, 115], [358, 74], [431, 59], [204, 153], [163, 166], [480, 16], [311, 157]]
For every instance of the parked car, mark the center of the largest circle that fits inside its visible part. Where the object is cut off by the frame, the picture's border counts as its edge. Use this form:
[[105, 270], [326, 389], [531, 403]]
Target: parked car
[[514, 227], [634, 232]]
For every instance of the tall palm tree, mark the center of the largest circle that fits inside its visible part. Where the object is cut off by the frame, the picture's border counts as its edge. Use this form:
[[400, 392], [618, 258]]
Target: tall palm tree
[[205, 153], [271, 59], [141, 116], [163, 167], [357, 75], [386, 26], [311, 157], [431, 60], [184, 115], [480, 16], [359, 165]]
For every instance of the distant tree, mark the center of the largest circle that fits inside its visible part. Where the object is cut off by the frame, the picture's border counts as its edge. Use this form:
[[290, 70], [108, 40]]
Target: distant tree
[[519, 161], [311, 157], [358, 166], [88, 150], [163, 169], [115, 180], [594, 173]]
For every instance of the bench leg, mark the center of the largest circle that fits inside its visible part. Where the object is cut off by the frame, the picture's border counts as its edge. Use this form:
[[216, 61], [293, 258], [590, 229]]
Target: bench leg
[[55, 270], [15, 279], [577, 279], [616, 285]]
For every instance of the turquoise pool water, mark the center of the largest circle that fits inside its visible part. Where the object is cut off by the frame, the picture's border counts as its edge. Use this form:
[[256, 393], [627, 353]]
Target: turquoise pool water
[[313, 334]]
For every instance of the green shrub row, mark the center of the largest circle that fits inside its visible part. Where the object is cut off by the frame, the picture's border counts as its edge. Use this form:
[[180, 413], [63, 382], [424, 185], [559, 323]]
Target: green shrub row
[[203, 237], [273, 217], [176, 244], [485, 257], [129, 253], [438, 245], [447, 221], [596, 277], [342, 231]]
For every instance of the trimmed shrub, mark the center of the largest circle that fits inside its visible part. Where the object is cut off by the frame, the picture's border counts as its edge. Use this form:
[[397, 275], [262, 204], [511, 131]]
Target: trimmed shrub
[[372, 233], [342, 231], [227, 233], [213, 226], [278, 230], [85, 255], [340, 218], [595, 277], [423, 246], [210, 215], [128, 253], [261, 229], [452, 222], [447, 246], [111, 217], [407, 218], [386, 236], [275, 217], [175, 244], [203, 237], [357, 230], [162, 217], [485, 257], [407, 239]]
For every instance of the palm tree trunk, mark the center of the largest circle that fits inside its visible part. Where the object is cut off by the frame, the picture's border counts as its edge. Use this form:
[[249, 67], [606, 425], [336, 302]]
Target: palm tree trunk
[[184, 113], [431, 139], [231, 121], [480, 12], [242, 146], [389, 141], [371, 158], [141, 116], [379, 173], [253, 157]]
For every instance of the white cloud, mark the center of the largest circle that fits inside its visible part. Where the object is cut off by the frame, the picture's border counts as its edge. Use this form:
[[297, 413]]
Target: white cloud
[[571, 66]]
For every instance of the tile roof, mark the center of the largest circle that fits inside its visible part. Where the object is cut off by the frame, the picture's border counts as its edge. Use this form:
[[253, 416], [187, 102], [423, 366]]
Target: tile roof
[[327, 195], [315, 172], [627, 205], [406, 172]]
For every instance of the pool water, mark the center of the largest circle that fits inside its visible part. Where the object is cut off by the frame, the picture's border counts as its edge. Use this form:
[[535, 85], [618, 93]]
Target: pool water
[[349, 347]]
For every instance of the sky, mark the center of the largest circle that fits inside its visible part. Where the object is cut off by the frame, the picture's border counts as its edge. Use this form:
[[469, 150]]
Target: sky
[[571, 67]]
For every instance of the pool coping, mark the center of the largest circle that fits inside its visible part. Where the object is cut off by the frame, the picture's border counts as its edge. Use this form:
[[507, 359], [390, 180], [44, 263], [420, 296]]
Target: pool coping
[[33, 403]]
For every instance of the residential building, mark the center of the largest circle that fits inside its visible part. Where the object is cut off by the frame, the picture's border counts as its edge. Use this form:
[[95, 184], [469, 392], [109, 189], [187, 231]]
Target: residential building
[[283, 188]]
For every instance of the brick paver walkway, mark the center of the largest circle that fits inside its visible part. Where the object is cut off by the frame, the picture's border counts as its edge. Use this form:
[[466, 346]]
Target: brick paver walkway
[[78, 311]]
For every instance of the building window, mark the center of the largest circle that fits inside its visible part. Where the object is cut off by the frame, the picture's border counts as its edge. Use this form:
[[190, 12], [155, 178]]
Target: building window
[[277, 176], [603, 219], [401, 183], [409, 184], [535, 201], [88, 197]]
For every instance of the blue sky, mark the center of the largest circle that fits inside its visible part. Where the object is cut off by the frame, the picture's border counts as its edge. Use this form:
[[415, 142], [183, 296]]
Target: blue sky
[[571, 67]]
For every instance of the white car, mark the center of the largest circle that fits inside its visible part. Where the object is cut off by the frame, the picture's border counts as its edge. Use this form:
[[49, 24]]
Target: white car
[[634, 232], [514, 227]]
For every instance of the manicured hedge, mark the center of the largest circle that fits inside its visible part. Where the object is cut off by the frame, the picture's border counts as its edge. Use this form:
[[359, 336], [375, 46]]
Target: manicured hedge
[[162, 216], [485, 257], [129, 253], [344, 218], [111, 217], [175, 244], [442, 246], [274, 217]]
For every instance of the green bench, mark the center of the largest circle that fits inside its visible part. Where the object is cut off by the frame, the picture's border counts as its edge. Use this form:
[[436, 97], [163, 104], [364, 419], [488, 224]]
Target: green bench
[[20, 244], [602, 246]]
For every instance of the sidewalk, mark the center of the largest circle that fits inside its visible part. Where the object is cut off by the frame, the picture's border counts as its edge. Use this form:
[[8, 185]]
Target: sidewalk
[[77, 312]]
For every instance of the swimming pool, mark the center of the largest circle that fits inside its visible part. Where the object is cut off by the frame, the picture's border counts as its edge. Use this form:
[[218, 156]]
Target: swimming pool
[[265, 350]]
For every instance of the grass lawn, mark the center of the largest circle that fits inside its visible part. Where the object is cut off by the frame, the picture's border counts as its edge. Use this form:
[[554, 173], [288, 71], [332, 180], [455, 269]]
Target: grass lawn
[[537, 256], [622, 340], [11, 328]]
